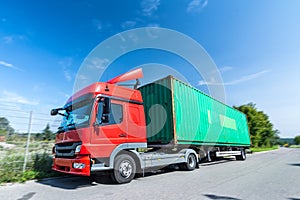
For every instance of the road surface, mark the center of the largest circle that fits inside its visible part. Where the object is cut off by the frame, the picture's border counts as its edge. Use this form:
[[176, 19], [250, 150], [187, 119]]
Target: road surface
[[268, 175]]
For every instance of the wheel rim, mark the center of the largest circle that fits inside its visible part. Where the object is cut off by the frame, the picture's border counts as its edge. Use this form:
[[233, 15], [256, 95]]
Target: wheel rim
[[191, 161], [125, 169]]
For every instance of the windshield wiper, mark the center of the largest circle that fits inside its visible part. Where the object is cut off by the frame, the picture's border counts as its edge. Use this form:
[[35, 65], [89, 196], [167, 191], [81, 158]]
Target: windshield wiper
[[71, 124], [60, 129]]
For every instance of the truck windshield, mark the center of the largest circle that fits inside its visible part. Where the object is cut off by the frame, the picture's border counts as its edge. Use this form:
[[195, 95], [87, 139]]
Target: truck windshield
[[77, 115]]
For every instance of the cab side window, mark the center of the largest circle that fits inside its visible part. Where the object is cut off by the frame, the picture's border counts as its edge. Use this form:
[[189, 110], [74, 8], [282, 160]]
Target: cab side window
[[116, 114]]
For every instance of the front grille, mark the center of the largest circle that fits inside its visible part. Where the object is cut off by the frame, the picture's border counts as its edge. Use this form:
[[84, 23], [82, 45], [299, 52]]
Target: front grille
[[66, 150]]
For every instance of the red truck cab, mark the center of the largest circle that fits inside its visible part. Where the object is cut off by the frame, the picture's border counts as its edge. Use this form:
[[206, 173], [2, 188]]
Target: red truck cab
[[98, 123]]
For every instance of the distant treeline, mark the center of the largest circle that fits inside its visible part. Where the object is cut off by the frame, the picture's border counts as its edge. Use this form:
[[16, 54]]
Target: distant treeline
[[9, 134], [289, 141]]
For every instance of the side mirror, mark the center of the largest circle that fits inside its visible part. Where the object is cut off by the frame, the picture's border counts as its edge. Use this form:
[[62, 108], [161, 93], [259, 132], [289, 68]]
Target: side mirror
[[106, 106], [103, 110], [54, 112]]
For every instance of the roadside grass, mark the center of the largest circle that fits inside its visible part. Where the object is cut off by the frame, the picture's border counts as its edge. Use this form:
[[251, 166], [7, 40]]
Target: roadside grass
[[37, 168], [260, 149], [39, 162], [294, 146]]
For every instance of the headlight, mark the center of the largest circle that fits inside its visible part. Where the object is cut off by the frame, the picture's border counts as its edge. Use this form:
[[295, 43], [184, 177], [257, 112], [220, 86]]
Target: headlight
[[78, 165], [78, 148]]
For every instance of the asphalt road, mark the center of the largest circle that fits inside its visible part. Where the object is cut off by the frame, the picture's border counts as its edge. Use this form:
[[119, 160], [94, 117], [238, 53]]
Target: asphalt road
[[269, 175]]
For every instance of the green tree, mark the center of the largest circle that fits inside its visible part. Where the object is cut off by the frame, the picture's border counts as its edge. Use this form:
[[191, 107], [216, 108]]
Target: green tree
[[38, 136], [297, 140], [48, 134], [5, 128], [260, 127], [3, 132]]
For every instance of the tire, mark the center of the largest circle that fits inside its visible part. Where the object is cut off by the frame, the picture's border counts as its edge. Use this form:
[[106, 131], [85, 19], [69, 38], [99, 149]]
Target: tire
[[191, 163], [103, 177], [124, 169], [242, 156]]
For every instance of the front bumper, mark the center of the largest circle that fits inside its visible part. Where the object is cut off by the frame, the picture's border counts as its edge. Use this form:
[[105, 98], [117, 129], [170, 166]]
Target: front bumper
[[65, 165]]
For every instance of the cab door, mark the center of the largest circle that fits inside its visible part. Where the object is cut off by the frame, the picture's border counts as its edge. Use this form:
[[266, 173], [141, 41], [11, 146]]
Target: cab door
[[110, 128]]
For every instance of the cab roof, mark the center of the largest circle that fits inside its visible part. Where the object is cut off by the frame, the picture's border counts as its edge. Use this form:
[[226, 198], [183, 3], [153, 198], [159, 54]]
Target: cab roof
[[109, 90]]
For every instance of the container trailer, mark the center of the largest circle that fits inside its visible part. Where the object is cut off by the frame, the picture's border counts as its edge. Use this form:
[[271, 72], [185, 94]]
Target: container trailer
[[107, 127]]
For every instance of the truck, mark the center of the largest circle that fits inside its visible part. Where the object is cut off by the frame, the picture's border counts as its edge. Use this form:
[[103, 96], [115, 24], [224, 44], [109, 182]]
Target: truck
[[112, 129]]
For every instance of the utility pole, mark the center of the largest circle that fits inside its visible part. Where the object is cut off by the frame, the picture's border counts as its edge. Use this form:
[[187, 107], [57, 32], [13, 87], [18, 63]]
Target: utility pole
[[28, 141]]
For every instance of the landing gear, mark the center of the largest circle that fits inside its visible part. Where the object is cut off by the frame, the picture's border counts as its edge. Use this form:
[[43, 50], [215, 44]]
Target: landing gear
[[242, 156]]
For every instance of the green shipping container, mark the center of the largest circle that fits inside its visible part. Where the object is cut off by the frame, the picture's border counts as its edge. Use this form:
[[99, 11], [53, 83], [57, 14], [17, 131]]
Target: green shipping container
[[177, 113]]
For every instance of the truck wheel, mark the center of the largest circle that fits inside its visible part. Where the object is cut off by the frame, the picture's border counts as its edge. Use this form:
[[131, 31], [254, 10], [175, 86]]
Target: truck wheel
[[191, 163], [242, 156], [124, 169], [103, 177]]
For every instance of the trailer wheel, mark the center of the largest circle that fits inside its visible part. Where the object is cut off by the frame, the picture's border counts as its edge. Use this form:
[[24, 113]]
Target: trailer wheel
[[124, 169], [191, 163], [242, 156]]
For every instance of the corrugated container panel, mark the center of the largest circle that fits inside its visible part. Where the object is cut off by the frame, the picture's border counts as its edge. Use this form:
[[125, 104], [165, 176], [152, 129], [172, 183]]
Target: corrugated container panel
[[182, 114], [157, 98]]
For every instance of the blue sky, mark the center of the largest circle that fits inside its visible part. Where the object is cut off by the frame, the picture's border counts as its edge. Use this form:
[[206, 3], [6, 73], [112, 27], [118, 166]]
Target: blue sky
[[255, 44]]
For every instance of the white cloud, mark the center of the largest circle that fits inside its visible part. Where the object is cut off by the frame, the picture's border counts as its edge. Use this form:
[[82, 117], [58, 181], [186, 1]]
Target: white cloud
[[13, 97], [225, 69], [67, 75], [128, 24], [65, 95], [66, 64], [196, 5], [8, 65], [12, 38], [7, 39], [149, 7], [82, 77], [153, 32], [220, 70], [234, 82], [5, 64], [98, 63], [133, 37], [98, 24]]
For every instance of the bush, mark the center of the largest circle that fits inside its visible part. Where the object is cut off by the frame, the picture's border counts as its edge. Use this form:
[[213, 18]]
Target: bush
[[11, 168], [297, 140], [42, 165]]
